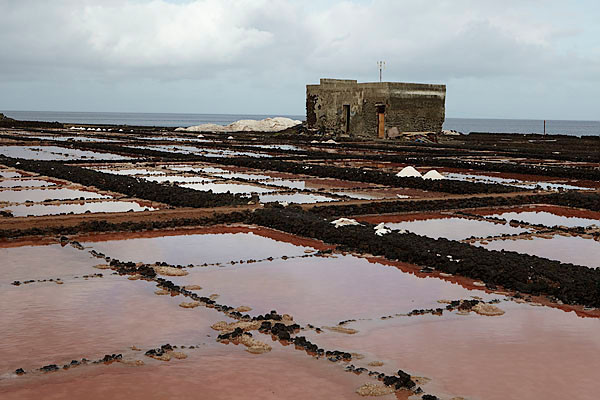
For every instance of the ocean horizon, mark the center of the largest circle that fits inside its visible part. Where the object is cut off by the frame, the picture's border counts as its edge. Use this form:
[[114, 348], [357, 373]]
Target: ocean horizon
[[464, 125]]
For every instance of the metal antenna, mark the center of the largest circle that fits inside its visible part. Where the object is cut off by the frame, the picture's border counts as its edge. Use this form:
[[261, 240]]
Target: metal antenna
[[381, 65]]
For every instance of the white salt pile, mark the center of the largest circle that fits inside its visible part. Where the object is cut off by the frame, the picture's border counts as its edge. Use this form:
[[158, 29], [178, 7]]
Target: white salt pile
[[409, 172], [434, 175], [344, 222], [381, 229], [247, 125]]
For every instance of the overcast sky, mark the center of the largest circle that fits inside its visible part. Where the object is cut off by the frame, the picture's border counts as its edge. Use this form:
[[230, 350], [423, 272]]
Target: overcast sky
[[506, 59]]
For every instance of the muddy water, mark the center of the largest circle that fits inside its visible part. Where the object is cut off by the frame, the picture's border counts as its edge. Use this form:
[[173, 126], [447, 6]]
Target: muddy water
[[220, 373], [547, 218], [527, 353], [324, 290], [55, 153], [196, 249], [299, 198], [450, 228], [10, 183], [575, 250], [227, 187], [92, 207], [35, 195], [57, 323], [43, 262]]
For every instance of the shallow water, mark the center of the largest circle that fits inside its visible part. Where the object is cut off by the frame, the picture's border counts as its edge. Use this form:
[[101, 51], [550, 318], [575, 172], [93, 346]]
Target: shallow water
[[547, 218], [574, 250], [324, 291], [92, 207], [50, 323], [177, 179], [220, 372], [527, 353], [21, 196], [130, 171], [451, 228], [9, 174], [299, 198], [512, 182], [287, 183], [55, 153], [10, 183], [227, 187], [42, 262], [196, 249]]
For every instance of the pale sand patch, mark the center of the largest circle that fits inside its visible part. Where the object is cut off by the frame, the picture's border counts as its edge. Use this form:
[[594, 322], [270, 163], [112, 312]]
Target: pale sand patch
[[102, 266], [254, 346], [357, 356], [135, 348], [161, 292], [374, 389], [223, 326], [132, 363], [179, 355], [192, 304], [341, 329], [170, 271], [164, 357], [487, 309], [375, 364], [192, 287], [420, 380], [444, 301], [243, 309], [134, 277], [213, 296]]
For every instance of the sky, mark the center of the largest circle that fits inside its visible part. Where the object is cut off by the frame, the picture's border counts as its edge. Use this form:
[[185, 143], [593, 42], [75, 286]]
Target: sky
[[536, 59]]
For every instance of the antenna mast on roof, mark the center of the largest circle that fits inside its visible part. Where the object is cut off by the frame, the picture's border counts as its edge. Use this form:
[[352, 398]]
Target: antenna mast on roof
[[381, 65]]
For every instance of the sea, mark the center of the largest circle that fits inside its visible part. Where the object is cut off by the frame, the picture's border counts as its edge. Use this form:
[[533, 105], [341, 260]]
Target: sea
[[464, 125]]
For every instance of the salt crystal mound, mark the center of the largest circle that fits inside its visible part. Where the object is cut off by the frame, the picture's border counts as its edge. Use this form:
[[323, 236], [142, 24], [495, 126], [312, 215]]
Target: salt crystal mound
[[409, 172], [247, 125], [434, 175], [344, 222]]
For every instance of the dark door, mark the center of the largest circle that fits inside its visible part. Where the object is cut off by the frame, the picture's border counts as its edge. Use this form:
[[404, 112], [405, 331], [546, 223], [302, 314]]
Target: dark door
[[347, 119]]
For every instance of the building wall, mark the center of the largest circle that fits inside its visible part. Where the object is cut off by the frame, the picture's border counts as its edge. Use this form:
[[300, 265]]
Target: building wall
[[409, 107]]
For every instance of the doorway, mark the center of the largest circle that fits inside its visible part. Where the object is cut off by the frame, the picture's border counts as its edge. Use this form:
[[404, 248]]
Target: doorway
[[380, 109], [347, 119]]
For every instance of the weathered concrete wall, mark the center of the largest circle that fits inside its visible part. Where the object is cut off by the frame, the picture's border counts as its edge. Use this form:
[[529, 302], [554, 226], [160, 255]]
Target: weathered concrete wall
[[409, 107]]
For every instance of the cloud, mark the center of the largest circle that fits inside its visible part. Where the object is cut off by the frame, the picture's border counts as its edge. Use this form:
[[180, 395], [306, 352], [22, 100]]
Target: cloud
[[269, 43]]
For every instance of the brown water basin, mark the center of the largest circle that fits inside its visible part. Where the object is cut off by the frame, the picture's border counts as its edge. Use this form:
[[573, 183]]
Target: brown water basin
[[321, 290], [219, 373], [574, 250], [42, 262], [45, 323], [199, 247], [527, 353], [21, 210], [440, 226], [36, 195]]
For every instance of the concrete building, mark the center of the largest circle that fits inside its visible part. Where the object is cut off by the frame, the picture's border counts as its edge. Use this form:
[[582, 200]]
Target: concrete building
[[380, 109]]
